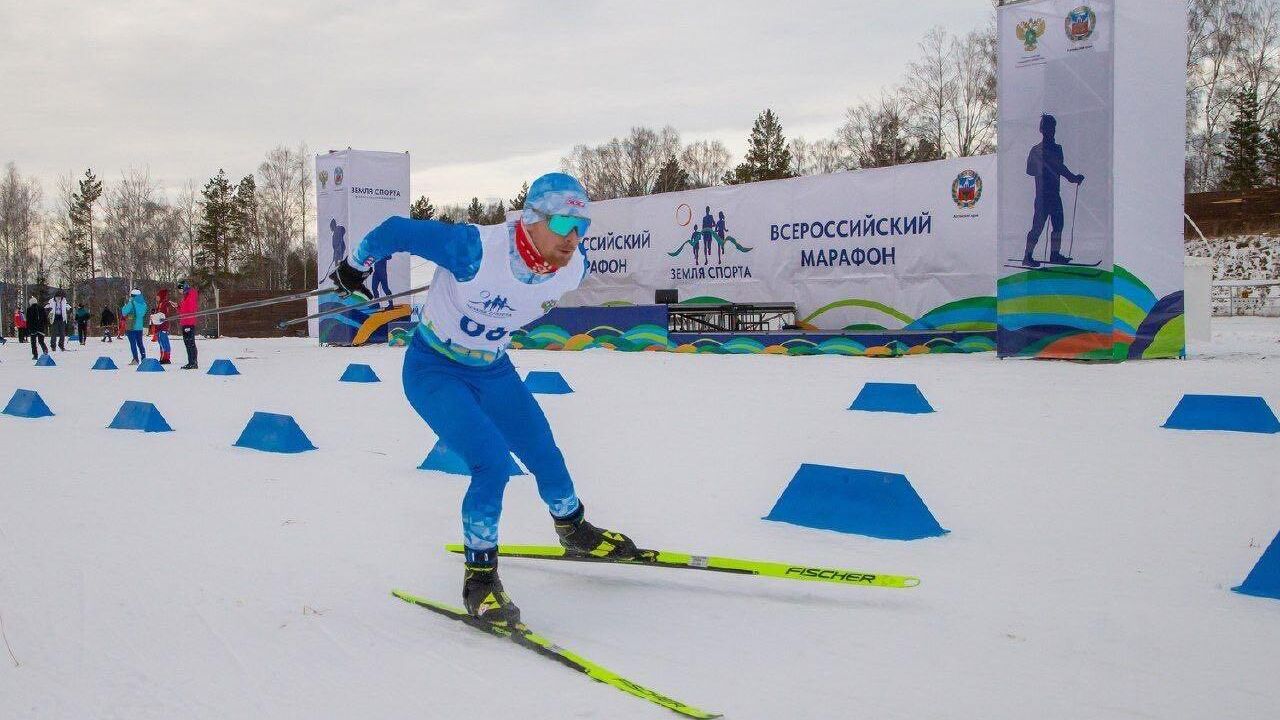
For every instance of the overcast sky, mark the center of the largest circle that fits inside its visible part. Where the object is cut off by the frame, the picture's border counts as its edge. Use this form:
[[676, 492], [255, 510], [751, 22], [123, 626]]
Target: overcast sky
[[483, 95]]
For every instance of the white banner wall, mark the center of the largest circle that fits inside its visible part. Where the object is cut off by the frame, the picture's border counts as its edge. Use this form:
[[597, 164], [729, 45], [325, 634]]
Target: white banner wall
[[907, 247], [355, 191]]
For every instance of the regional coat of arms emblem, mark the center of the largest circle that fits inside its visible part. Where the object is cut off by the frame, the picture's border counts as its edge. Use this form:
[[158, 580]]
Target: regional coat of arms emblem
[[1080, 23], [966, 190]]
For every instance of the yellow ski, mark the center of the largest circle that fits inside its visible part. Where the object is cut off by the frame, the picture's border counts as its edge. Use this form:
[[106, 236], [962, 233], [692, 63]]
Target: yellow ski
[[524, 637], [711, 563]]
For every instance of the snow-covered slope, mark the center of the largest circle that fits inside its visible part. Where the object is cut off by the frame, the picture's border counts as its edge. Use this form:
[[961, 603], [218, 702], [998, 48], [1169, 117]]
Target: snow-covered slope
[[1086, 574]]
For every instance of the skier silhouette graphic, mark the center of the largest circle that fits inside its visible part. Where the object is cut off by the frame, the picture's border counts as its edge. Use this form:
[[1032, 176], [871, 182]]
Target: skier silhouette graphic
[[1046, 164], [380, 279], [338, 235]]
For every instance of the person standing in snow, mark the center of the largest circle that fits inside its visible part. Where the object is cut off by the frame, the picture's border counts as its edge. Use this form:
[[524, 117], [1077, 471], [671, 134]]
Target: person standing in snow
[[190, 303], [37, 323], [82, 323], [20, 325], [108, 322], [61, 313], [160, 321], [491, 281], [134, 312]]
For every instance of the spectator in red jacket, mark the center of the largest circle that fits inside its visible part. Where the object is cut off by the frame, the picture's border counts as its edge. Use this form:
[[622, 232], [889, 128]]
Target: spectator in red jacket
[[190, 303], [20, 324]]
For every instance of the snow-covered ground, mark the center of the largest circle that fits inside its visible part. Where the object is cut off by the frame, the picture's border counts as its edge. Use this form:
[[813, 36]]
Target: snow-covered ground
[[1087, 573]]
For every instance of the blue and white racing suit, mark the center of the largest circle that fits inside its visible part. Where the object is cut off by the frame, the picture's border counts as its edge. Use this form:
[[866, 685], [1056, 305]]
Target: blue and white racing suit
[[457, 375]]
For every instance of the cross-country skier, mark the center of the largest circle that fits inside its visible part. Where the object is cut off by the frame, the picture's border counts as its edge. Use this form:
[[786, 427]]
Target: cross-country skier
[[1046, 164], [491, 281]]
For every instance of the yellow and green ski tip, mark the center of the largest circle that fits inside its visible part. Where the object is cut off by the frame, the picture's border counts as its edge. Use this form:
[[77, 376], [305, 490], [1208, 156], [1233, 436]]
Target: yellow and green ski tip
[[662, 558], [523, 636]]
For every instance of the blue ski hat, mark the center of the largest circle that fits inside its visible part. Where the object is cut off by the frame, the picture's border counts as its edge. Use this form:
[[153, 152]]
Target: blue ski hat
[[555, 194]]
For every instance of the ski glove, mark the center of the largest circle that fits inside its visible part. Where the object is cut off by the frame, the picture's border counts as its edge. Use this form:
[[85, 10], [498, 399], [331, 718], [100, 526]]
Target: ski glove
[[349, 279]]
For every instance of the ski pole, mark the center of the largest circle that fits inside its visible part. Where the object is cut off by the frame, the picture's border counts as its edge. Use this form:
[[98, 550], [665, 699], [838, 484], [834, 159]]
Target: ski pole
[[338, 310], [255, 303], [1074, 205]]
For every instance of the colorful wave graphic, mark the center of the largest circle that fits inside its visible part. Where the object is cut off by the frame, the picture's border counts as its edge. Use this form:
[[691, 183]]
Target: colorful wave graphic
[[976, 314], [554, 337], [359, 326], [654, 338], [1086, 314]]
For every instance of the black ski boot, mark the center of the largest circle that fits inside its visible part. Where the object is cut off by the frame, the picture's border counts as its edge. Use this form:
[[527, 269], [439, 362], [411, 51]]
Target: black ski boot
[[579, 537], [1059, 259], [1030, 261], [484, 598]]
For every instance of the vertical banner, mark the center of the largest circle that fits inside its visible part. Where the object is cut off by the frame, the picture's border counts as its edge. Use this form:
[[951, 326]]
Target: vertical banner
[[1092, 123], [355, 191], [1150, 59], [1055, 159]]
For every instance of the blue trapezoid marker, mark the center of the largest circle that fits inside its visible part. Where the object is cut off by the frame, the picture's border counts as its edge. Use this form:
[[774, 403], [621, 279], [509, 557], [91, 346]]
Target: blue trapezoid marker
[[1233, 413], [144, 416], [891, 397], [223, 366], [862, 502], [359, 373], [271, 432], [1264, 579], [444, 460], [27, 404], [547, 382]]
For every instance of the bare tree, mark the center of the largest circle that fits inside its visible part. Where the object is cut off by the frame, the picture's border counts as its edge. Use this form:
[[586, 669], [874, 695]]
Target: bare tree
[[135, 214], [706, 161], [623, 167], [875, 132], [1213, 38], [187, 211], [278, 191], [818, 157], [20, 231], [972, 113], [929, 89], [1257, 55], [306, 246]]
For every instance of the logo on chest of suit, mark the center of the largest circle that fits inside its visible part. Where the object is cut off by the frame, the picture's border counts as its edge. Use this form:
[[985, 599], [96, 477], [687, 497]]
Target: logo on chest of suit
[[491, 305]]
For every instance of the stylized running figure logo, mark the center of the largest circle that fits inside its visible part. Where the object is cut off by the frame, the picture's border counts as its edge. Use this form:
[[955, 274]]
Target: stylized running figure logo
[[491, 305], [712, 233]]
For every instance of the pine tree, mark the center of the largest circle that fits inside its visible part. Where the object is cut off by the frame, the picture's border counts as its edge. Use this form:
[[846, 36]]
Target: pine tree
[[889, 146], [1242, 167], [475, 212], [926, 151], [422, 209], [1271, 156], [768, 157], [517, 202], [671, 178], [244, 223], [88, 192], [213, 236]]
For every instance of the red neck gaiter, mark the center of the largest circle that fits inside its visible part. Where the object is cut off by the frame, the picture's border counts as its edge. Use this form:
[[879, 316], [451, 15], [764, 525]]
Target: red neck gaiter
[[532, 258]]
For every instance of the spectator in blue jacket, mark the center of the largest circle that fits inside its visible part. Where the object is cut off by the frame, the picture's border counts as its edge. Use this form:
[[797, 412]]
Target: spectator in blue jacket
[[135, 313]]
